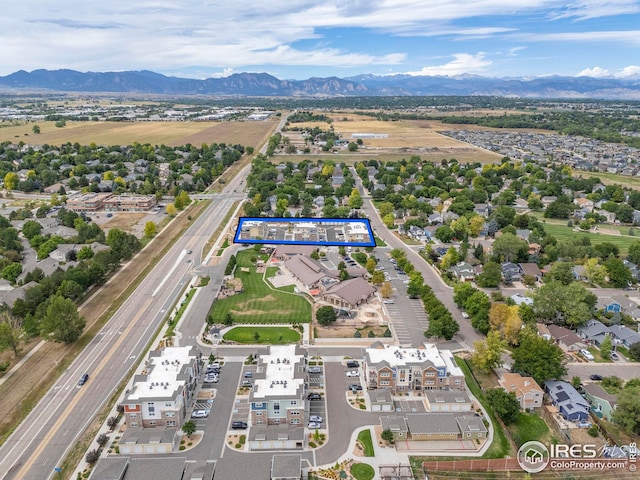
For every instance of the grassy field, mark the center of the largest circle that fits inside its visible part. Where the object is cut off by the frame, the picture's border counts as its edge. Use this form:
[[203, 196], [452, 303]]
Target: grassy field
[[563, 233], [154, 133], [362, 471], [529, 426], [258, 303], [266, 335], [610, 178], [364, 437]]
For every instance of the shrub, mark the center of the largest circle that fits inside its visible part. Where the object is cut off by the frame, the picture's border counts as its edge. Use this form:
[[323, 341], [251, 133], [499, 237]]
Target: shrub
[[92, 456], [182, 447], [593, 431], [102, 439], [312, 445]]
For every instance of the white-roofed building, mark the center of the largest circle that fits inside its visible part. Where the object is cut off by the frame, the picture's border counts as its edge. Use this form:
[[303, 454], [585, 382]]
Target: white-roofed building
[[278, 394], [161, 394], [401, 369]]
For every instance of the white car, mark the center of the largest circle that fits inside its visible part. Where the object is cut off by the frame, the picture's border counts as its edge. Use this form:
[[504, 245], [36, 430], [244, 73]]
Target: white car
[[314, 425], [352, 373], [315, 418], [587, 354], [388, 301], [199, 414]]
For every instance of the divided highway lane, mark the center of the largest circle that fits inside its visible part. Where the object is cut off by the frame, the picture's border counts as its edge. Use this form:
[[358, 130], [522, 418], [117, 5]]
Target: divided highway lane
[[43, 439]]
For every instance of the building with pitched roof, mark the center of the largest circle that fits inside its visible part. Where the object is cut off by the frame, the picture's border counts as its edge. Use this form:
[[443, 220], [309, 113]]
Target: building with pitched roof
[[528, 393], [571, 405], [349, 294]]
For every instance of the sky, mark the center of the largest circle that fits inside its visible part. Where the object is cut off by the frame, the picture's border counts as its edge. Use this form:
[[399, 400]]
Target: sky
[[298, 39]]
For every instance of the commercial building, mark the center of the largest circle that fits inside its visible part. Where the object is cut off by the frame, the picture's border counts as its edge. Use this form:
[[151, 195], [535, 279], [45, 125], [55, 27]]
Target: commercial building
[[130, 203], [403, 369]]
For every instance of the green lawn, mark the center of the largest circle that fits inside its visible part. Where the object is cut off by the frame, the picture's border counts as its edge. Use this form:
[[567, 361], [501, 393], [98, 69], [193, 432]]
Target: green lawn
[[362, 471], [528, 426], [364, 437], [258, 303], [562, 232], [267, 335], [500, 446]]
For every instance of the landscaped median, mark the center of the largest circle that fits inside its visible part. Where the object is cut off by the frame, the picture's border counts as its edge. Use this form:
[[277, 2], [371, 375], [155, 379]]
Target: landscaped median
[[282, 335]]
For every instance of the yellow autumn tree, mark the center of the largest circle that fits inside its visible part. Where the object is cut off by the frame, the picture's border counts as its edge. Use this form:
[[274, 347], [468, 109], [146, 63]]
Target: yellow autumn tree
[[506, 320]]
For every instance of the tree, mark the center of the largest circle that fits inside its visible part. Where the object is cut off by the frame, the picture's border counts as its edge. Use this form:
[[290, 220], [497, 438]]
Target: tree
[[85, 253], [491, 275], [112, 422], [62, 323], [634, 351], [92, 456], [11, 181], [504, 403], [377, 278], [606, 346], [487, 354], [594, 272], [445, 234], [627, 415], [568, 304], [228, 319], [386, 290], [102, 439], [509, 248], [538, 358], [10, 333], [619, 273], [476, 224], [371, 265], [355, 200], [150, 229], [477, 306], [462, 291], [387, 436], [505, 319], [172, 211], [189, 428], [326, 315], [561, 272], [35, 129]]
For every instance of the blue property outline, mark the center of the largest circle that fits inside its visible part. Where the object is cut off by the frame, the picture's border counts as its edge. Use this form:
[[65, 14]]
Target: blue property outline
[[236, 238]]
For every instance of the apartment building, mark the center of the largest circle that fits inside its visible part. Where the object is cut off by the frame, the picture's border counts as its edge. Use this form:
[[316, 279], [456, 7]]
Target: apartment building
[[277, 396], [87, 202], [130, 203], [404, 369], [161, 394]]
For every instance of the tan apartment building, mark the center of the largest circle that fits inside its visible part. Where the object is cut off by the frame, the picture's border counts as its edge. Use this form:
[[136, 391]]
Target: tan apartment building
[[130, 203], [403, 369], [87, 202], [160, 395]]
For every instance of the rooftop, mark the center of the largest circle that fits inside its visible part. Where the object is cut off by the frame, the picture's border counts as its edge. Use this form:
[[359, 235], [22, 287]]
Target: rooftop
[[280, 368], [402, 356]]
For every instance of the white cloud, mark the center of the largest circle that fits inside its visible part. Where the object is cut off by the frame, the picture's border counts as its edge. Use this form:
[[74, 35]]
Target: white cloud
[[588, 9], [628, 72], [627, 37], [595, 72], [462, 63]]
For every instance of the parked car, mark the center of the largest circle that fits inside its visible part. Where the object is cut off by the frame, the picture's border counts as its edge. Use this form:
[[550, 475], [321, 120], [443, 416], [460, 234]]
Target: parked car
[[200, 414], [615, 356], [314, 425], [315, 370], [388, 301], [352, 373], [595, 377], [355, 386], [247, 384], [587, 354], [248, 374], [465, 315], [83, 379], [238, 425], [315, 418], [314, 396], [352, 364]]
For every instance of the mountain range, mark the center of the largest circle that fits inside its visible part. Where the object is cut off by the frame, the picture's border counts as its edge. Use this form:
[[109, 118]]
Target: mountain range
[[265, 85]]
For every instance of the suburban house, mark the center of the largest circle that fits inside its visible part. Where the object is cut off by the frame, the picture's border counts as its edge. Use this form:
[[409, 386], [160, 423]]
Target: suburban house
[[527, 391], [593, 332], [619, 303], [161, 394], [624, 335], [349, 294], [579, 273], [445, 426], [571, 405], [602, 403], [519, 299], [464, 272], [566, 339], [401, 369], [532, 270], [510, 272]]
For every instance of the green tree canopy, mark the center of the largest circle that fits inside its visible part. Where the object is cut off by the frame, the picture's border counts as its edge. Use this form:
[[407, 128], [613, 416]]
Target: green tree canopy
[[538, 358], [62, 323], [326, 315]]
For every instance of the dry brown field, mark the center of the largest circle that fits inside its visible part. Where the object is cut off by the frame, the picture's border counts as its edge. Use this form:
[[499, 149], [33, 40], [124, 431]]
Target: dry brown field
[[154, 133], [404, 139]]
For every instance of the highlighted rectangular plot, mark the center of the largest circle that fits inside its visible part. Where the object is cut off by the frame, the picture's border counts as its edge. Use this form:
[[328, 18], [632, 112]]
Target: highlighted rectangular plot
[[352, 232]]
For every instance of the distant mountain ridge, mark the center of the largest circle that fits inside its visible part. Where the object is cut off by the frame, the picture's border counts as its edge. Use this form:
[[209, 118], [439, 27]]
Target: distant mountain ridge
[[265, 85]]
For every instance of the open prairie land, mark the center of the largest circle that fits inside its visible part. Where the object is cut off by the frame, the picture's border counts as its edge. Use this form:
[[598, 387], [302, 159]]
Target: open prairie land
[[154, 133]]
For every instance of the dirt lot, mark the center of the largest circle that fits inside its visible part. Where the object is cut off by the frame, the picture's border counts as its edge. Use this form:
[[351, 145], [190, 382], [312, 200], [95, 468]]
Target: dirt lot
[[338, 331]]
